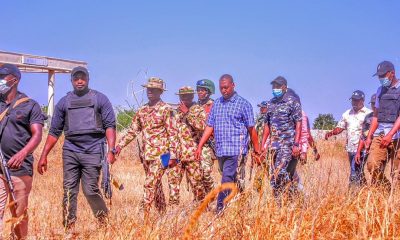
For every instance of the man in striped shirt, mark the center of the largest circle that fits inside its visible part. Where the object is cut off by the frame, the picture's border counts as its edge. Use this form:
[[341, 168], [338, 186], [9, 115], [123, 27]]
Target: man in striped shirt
[[232, 122]]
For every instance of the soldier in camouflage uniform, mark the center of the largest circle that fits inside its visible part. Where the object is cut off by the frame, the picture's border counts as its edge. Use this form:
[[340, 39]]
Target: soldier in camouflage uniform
[[260, 170], [156, 122], [190, 118], [205, 88], [261, 119], [283, 125]]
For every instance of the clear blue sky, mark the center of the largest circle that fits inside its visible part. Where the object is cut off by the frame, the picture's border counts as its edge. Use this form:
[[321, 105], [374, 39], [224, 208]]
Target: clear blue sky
[[325, 49]]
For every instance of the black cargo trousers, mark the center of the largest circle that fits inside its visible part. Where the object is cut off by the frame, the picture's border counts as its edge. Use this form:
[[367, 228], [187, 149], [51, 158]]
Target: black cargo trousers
[[83, 167]]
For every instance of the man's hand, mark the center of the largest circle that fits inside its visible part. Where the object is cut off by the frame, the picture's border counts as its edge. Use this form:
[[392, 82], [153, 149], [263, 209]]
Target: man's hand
[[172, 163], [367, 143], [357, 158], [42, 165], [295, 151], [16, 161], [197, 154], [111, 158], [328, 135], [386, 140], [303, 158], [317, 156], [117, 151], [257, 157], [183, 108]]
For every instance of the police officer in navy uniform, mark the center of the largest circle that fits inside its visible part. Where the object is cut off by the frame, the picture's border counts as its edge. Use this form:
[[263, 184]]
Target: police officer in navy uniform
[[87, 118]]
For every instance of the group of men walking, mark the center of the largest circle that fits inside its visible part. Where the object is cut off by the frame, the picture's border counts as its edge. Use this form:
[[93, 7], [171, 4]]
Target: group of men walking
[[184, 139], [373, 135]]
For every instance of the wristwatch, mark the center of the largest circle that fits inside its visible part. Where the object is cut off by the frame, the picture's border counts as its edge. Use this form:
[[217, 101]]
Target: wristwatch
[[113, 151]]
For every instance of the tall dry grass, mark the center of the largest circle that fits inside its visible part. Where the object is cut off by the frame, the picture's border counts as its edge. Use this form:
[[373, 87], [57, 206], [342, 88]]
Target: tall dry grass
[[326, 210]]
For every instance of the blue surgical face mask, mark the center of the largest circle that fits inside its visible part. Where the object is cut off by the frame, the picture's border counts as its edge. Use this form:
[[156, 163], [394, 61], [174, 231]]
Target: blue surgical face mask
[[277, 92], [4, 88], [385, 82]]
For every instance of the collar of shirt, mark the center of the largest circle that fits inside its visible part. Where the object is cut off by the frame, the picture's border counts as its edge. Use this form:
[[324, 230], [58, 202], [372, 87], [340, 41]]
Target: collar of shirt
[[155, 105], [19, 95], [231, 99], [362, 110]]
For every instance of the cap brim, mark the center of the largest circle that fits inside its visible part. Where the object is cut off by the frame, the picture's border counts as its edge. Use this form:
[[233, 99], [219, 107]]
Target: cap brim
[[356, 98], [80, 71], [379, 74], [147, 86]]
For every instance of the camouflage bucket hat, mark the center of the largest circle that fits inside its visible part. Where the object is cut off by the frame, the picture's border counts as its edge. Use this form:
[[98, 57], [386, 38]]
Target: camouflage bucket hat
[[155, 82], [185, 90]]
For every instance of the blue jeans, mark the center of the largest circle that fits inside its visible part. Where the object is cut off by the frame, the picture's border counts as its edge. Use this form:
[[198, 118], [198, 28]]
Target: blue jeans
[[357, 176], [228, 166]]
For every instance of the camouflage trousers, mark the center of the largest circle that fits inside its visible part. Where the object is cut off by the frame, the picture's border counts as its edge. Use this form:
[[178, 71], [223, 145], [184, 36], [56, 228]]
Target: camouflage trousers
[[283, 168], [241, 172], [207, 164], [153, 191], [194, 176]]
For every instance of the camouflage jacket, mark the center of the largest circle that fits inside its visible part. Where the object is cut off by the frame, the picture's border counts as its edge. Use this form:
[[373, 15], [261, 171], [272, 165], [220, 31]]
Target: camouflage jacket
[[260, 126], [282, 115], [207, 106], [191, 126], [158, 127]]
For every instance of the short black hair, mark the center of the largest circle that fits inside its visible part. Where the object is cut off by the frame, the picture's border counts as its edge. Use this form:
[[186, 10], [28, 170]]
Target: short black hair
[[227, 76]]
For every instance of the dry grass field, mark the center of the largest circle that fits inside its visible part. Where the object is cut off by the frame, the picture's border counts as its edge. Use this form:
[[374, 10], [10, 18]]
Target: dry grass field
[[327, 209]]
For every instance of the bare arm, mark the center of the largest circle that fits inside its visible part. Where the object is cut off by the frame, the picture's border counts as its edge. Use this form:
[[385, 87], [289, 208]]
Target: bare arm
[[111, 137], [334, 132], [50, 142], [254, 139], [16, 160], [206, 135], [266, 134]]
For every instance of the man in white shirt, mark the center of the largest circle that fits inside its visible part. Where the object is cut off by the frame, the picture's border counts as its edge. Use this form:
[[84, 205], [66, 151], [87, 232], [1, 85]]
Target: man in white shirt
[[352, 121]]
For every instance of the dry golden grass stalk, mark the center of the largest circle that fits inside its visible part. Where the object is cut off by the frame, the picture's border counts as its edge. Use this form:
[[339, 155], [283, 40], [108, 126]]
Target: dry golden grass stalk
[[209, 198]]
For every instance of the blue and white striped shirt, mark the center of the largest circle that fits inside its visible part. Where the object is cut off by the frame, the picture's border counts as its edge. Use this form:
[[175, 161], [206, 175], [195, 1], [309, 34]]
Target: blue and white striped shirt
[[230, 119]]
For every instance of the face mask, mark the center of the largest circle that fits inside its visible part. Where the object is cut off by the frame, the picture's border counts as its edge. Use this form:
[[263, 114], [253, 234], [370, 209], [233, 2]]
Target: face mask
[[4, 88], [385, 82], [277, 92]]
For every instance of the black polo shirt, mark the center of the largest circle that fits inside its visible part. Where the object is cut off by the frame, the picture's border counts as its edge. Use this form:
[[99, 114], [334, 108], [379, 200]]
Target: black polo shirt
[[17, 133]]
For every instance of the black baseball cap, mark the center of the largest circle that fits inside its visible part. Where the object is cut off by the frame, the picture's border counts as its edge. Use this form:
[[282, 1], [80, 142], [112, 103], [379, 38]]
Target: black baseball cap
[[7, 69], [80, 69], [357, 95], [280, 80], [383, 68]]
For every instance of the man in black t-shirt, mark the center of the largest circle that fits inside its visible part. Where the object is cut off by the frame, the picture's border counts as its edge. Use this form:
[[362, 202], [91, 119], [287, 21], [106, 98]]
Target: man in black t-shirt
[[21, 123]]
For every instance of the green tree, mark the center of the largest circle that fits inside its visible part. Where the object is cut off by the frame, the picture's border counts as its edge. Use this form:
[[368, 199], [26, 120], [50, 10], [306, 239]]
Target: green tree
[[44, 108], [124, 118], [324, 122]]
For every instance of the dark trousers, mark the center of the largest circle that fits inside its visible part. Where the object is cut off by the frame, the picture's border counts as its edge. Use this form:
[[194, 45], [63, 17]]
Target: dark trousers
[[228, 166], [85, 167], [357, 176]]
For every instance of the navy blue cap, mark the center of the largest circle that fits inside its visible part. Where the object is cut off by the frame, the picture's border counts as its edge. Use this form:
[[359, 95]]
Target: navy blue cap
[[7, 69], [79, 69], [383, 68], [280, 80], [262, 104], [357, 95]]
